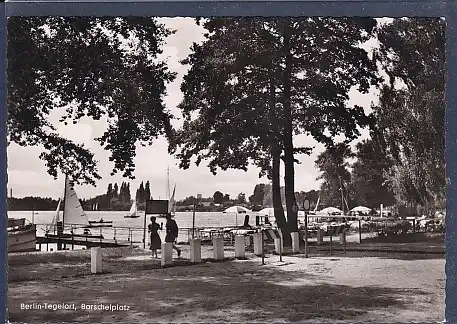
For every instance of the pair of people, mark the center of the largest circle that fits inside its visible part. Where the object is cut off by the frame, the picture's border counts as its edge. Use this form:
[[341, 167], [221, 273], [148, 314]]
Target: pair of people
[[171, 236]]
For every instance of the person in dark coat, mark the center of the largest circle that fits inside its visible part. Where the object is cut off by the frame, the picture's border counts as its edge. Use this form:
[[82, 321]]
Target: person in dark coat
[[156, 242], [172, 232]]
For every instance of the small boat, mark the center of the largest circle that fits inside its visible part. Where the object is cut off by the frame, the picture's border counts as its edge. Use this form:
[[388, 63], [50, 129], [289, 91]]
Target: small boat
[[132, 212], [101, 223], [21, 236]]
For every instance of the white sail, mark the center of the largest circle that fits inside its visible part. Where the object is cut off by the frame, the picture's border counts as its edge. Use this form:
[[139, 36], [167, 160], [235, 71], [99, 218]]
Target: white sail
[[56, 217], [133, 209], [73, 212], [171, 202]]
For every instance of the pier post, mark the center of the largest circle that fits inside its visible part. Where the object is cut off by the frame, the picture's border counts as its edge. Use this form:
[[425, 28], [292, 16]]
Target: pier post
[[167, 254], [331, 242], [295, 242], [360, 231], [320, 236], [195, 250], [59, 235], [343, 237], [240, 250], [257, 243], [248, 240], [218, 248], [96, 260]]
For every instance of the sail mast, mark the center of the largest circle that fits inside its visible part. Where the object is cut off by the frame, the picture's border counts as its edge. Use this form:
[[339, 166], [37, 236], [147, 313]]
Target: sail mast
[[168, 182], [64, 201]]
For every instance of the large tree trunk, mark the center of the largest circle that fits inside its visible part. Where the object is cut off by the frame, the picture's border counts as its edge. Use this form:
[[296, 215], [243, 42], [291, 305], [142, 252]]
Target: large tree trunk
[[276, 162], [276, 193], [289, 174]]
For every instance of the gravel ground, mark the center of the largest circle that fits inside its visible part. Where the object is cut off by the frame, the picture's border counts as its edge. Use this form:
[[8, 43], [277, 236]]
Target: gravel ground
[[347, 287]]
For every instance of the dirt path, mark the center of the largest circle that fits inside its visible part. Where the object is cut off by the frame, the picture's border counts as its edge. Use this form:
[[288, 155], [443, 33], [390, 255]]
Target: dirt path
[[336, 288]]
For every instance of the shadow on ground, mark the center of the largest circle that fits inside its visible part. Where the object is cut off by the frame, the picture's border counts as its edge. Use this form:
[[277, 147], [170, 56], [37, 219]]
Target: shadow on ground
[[208, 292]]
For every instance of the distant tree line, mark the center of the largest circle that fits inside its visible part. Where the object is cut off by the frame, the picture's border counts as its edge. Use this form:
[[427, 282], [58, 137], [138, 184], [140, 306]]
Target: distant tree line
[[116, 198], [31, 203], [119, 198]]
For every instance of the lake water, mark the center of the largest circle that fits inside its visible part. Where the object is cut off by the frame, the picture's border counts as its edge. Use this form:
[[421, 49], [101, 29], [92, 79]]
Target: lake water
[[124, 226]]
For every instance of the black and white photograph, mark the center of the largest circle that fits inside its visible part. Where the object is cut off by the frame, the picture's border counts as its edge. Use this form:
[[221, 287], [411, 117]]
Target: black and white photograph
[[226, 169]]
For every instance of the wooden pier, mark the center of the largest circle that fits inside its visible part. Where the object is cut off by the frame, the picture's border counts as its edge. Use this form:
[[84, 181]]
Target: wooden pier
[[69, 240]]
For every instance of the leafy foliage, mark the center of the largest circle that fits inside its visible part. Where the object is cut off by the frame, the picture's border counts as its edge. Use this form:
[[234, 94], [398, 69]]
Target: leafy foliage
[[333, 163], [218, 197], [369, 185], [256, 82], [86, 66], [410, 115]]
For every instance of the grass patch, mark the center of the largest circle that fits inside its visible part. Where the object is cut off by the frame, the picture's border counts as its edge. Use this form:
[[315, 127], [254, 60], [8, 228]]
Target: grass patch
[[34, 258]]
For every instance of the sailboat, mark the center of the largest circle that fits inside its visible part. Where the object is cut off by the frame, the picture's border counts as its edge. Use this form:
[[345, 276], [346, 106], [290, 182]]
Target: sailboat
[[73, 213], [133, 211], [55, 219], [171, 203]]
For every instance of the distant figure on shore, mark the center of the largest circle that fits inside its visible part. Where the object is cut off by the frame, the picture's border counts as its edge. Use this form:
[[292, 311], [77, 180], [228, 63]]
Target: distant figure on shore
[[156, 242], [172, 232]]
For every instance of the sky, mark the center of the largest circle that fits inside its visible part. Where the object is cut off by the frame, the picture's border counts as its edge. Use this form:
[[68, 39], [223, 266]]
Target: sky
[[27, 175]]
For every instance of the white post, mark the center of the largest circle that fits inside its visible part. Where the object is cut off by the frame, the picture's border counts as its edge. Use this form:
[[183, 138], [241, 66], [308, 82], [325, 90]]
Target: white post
[[320, 236], [195, 250], [295, 242], [96, 260], [381, 211], [167, 254], [218, 248], [240, 251], [278, 245], [257, 243]]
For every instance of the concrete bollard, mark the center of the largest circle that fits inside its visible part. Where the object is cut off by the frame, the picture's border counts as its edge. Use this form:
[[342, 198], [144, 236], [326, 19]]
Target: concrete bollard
[[240, 251], [195, 250], [320, 236], [257, 243], [278, 245], [343, 237], [218, 248], [96, 260], [295, 242], [167, 254]]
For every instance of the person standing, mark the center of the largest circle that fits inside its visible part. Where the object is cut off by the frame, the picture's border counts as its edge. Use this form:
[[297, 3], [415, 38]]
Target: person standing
[[172, 232], [156, 242]]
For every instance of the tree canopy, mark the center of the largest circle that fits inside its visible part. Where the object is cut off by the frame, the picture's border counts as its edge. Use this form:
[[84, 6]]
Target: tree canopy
[[411, 111], [256, 82], [334, 165], [86, 67]]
